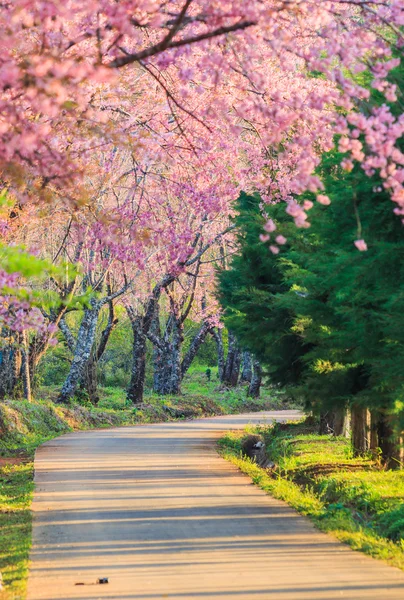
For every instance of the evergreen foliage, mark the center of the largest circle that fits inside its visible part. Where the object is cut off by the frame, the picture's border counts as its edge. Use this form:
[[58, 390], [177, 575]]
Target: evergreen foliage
[[321, 314]]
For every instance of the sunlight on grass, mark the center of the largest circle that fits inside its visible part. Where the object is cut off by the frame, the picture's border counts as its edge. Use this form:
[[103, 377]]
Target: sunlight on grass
[[351, 498], [16, 488]]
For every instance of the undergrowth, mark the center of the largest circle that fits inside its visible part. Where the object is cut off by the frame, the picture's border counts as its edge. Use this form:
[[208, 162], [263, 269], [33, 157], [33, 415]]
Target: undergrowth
[[351, 498]]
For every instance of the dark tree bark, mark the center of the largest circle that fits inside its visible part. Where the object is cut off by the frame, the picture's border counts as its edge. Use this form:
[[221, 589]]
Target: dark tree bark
[[246, 367], [89, 381], [359, 425], [167, 359], [141, 327], [167, 354], [136, 385], [217, 334], [106, 332], [10, 364], [194, 347], [256, 380], [391, 446], [37, 349], [175, 359], [374, 441], [232, 365], [333, 422], [340, 425], [326, 422]]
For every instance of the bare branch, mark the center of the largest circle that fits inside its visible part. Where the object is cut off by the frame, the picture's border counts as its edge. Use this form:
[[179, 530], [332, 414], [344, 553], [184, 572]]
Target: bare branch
[[165, 45]]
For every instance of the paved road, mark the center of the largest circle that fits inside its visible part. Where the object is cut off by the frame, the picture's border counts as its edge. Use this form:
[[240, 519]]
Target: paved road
[[155, 510]]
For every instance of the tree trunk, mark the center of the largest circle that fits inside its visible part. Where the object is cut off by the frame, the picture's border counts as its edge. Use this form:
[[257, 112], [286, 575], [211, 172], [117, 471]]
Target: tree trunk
[[246, 367], [26, 377], [159, 363], [194, 347], [217, 334], [162, 362], [136, 385], [326, 422], [142, 327], [37, 350], [340, 424], [359, 425], [67, 334], [158, 370], [89, 381], [10, 365], [374, 441], [389, 443], [82, 352], [167, 369], [232, 365], [175, 361], [256, 380], [167, 357], [334, 422]]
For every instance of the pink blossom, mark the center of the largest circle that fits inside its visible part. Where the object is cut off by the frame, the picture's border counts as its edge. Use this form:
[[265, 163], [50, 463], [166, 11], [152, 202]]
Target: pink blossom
[[322, 199], [200, 121], [361, 245], [280, 239], [347, 164], [270, 226]]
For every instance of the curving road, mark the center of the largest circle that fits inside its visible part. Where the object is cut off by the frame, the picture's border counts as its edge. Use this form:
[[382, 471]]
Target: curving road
[[159, 513]]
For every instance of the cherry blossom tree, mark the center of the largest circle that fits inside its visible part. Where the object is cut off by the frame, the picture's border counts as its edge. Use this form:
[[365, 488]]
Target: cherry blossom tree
[[186, 284], [217, 75], [180, 105]]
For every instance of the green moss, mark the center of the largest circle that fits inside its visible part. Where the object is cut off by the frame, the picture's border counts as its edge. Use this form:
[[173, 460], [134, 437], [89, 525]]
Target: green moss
[[351, 498]]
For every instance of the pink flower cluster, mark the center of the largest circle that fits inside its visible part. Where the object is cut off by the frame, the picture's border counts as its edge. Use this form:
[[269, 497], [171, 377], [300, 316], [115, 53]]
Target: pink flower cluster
[[170, 109], [16, 314]]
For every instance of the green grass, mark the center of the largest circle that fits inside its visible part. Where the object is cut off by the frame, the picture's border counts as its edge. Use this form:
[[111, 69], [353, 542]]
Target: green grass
[[351, 498], [16, 488]]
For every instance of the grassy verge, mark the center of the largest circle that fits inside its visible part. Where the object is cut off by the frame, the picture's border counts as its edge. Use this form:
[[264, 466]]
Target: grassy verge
[[16, 486], [351, 498], [24, 426]]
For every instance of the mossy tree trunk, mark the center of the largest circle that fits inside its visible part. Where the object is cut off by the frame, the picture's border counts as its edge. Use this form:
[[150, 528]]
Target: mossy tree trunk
[[82, 352]]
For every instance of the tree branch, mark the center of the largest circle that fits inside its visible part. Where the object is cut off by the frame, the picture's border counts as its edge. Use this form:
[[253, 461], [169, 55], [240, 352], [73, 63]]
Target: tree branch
[[167, 43]]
